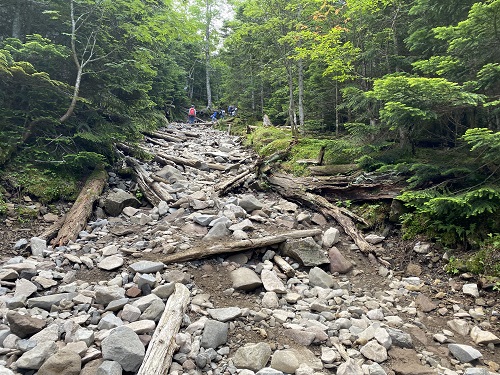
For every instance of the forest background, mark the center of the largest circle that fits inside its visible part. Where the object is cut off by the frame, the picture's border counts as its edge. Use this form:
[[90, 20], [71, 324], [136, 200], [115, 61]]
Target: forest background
[[402, 87]]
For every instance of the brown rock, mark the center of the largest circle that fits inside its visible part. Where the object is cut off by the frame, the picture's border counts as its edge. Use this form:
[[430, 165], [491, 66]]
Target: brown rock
[[338, 263], [413, 269], [425, 303], [24, 325], [64, 362], [133, 292], [406, 362]]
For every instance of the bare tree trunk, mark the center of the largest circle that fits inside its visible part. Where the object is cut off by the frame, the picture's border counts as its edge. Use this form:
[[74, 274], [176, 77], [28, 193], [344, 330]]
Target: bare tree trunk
[[301, 95], [291, 107], [207, 54], [17, 20]]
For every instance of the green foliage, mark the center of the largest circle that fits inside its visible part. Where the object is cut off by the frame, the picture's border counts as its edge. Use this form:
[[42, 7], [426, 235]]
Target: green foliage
[[460, 219], [46, 185], [265, 135], [485, 261], [486, 144]]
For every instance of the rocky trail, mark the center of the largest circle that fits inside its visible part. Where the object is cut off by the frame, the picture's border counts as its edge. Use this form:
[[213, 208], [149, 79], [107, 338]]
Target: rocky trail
[[222, 277]]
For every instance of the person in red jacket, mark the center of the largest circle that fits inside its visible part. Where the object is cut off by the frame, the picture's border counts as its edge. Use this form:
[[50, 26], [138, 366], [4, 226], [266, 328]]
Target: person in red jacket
[[192, 114]]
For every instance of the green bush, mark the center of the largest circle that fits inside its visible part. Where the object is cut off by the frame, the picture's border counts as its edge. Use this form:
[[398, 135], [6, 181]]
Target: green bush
[[460, 219]]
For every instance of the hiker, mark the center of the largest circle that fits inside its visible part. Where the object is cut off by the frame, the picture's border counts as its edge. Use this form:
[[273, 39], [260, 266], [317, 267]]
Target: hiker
[[214, 116], [191, 115]]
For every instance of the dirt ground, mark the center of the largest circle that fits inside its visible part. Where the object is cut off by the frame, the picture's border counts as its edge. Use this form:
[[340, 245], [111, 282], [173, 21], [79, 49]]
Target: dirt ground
[[211, 277]]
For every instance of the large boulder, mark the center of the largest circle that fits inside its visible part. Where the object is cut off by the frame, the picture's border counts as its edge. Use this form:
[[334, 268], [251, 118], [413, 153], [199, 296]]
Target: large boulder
[[117, 200], [305, 250]]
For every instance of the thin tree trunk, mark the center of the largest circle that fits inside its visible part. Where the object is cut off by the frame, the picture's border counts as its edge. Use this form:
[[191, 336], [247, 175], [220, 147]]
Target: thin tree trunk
[[291, 107], [207, 54], [301, 94], [17, 20]]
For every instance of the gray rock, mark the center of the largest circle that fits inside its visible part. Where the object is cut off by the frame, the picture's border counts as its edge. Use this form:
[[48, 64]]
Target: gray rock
[[142, 326], [304, 250], [46, 302], [245, 279], [422, 247], [117, 304], [252, 356], [349, 368], [374, 351], [214, 334], [460, 326], [330, 237], [224, 314], [109, 368], [301, 337], [8, 274], [204, 220], [105, 294], [130, 313], [374, 369], [153, 311], [147, 266], [269, 371], [481, 337], [35, 357], [218, 231], [24, 288], [164, 291], [471, 290], [318, 277], [38, 246], [111, 263], [244, 225], [64, 362], [123, 346], [464, 353], [285, 361], [146, 279], [399, 338], [109, 321], [270, 300], [374, 239], [272, 282], [50, 333], [249, 203], [117, 200], [171, 174]]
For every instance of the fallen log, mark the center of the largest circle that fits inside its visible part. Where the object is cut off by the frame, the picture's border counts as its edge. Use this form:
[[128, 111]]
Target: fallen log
[[152, 190], [78, 215], [182, 161], [290, 190], [329, 170], [157, 142], [164, 136], [225, 186], [284, 266], [161, 348], [236, 246], [50, 232]]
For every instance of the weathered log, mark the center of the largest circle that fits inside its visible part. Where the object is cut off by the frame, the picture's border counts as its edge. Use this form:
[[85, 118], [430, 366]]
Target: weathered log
[[290, 190], [161, 348], [132, 151], [49, 233], [152, 190], [164, 136], [77, 217], [236, 246], [329, 170], [157, 142], [225, 186], [182, 161], [284, 266]]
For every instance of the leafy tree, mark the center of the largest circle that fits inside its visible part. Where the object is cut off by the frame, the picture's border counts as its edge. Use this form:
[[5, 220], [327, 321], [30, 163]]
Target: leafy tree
[[407, 102]]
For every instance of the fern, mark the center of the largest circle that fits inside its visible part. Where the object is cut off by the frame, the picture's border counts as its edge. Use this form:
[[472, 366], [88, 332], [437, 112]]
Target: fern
[[453, 219]]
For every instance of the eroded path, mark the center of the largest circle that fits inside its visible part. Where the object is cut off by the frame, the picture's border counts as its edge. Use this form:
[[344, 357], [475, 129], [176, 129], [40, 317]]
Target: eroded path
[[311, 304]]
